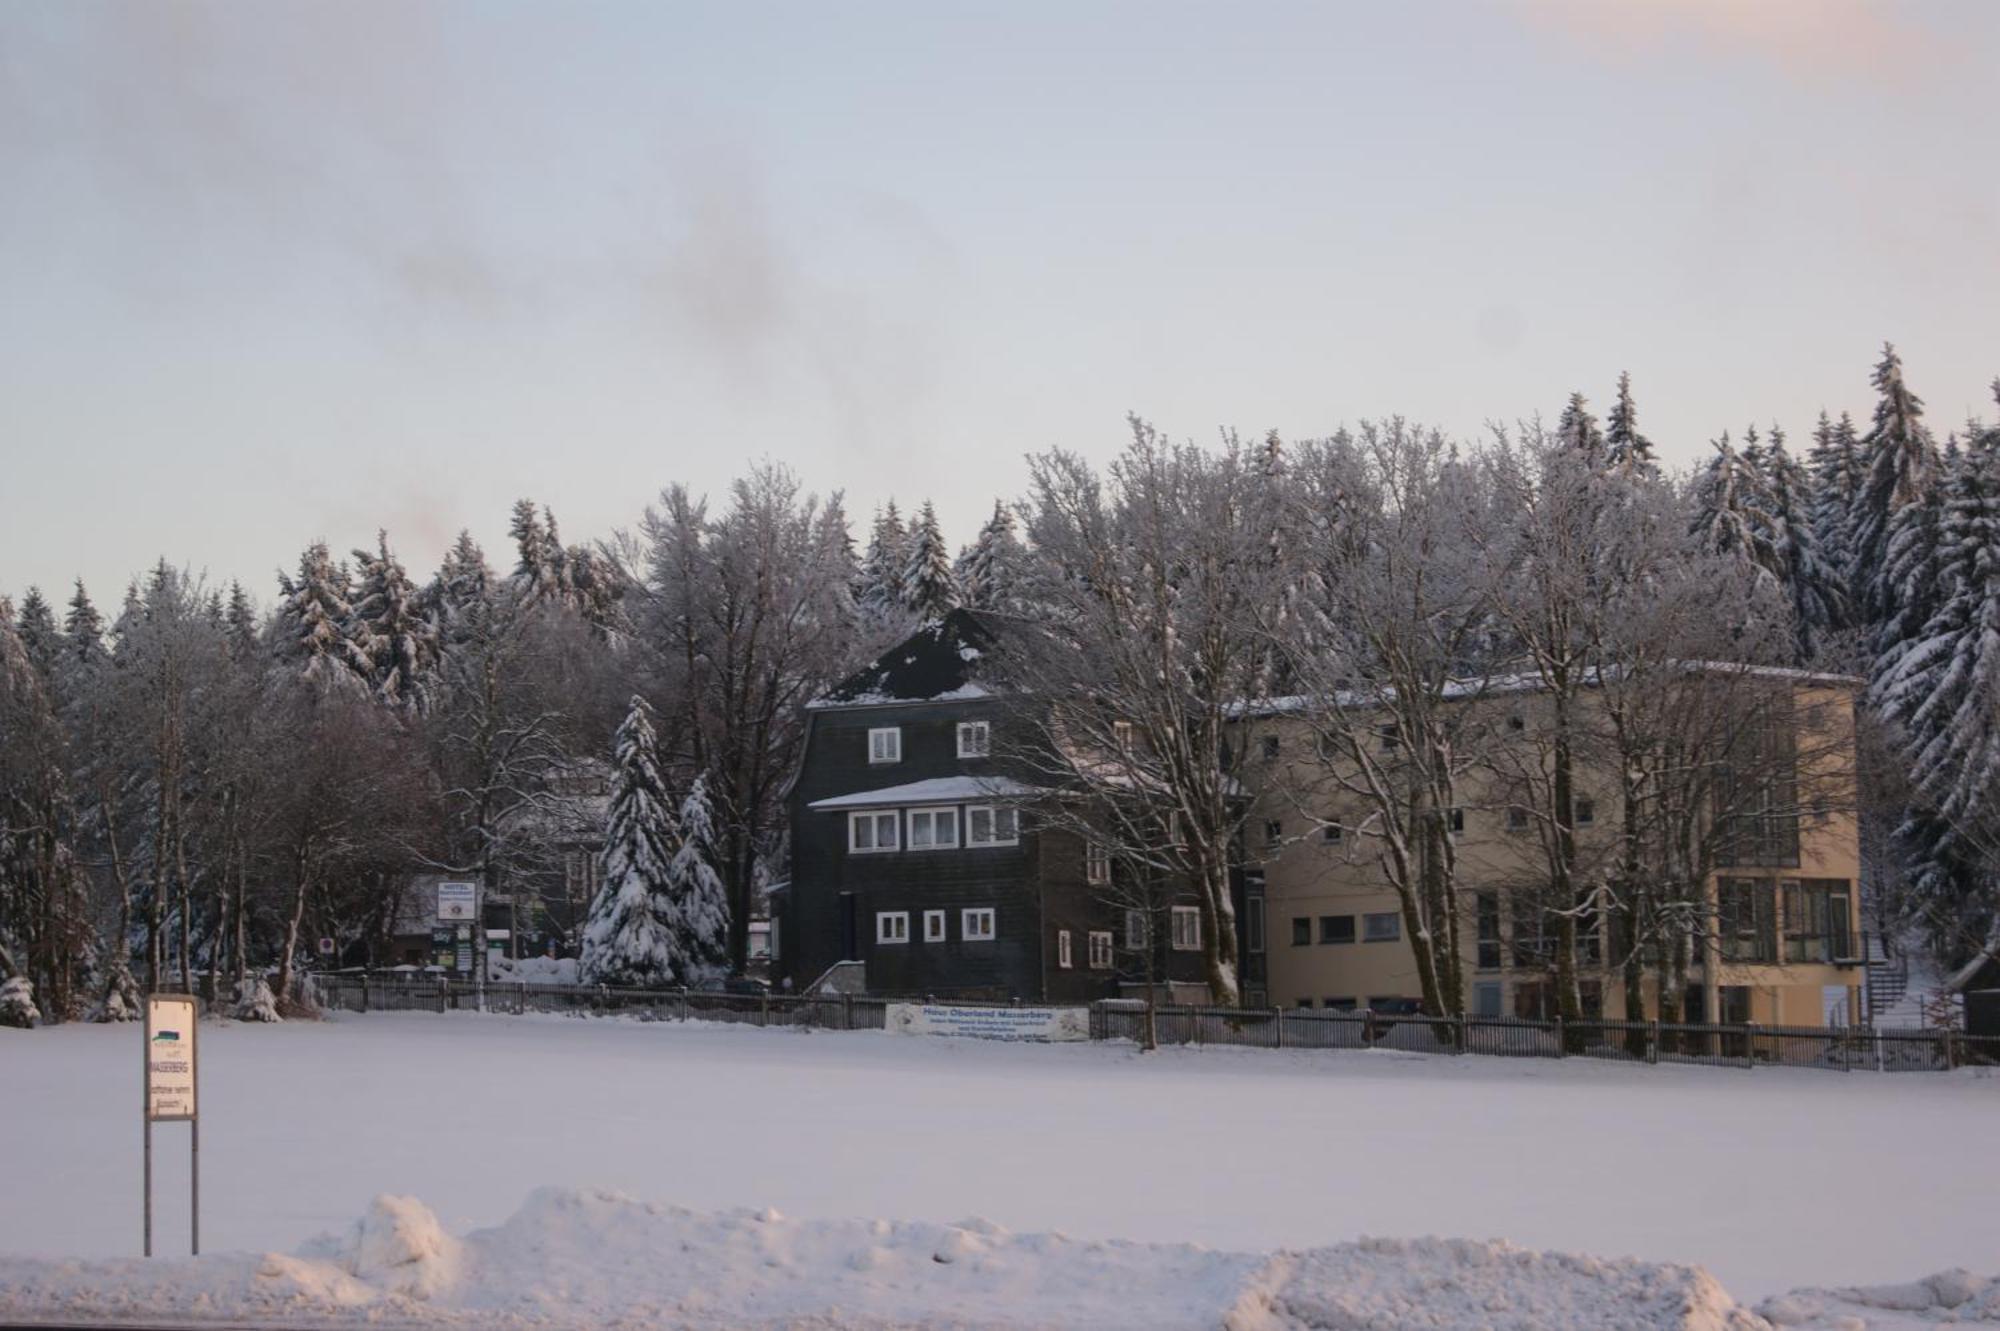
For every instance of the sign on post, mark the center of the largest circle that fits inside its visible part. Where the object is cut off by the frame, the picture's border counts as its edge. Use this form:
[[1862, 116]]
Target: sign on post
[[172, 1085], [457, 901]]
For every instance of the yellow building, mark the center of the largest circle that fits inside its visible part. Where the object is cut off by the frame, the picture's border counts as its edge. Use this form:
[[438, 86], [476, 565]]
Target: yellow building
[[1766, 920]]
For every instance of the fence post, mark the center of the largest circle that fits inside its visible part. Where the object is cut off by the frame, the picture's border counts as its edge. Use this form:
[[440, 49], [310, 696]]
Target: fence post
[[1278, 1019], [521, 1003], [1464, 1035], [1653, 1041], [684, 1003], [364, 992], [847, 1012], [1368, 1028], [763, 1009], [1750, 1044], [1562, 1039]]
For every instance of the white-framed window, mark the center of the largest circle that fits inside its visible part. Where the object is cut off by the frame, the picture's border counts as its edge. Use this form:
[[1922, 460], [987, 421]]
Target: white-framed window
[[933, 926], [934, 829], [1383, 927], [992, 825], [892, 926], [1096, 864], [885, 745], [1063, 958], [975, 739], [1135, 929], [873, 831], [1121, 735], [1100, 949], [975, 924], [1187, 928]]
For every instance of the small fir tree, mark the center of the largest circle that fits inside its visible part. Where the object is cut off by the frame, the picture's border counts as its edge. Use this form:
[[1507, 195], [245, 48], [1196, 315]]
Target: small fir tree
[[700, 900], [1625, 448], [633, 935]]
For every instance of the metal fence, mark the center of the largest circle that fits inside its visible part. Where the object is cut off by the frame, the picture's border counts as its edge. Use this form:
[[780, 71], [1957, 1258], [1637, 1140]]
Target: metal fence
[[1838, 1048], [396, 993]]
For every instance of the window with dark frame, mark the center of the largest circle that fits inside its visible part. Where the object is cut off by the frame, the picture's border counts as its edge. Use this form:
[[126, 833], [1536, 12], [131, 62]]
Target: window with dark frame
[[1381, 927], [1336, 928], [1302, 930]]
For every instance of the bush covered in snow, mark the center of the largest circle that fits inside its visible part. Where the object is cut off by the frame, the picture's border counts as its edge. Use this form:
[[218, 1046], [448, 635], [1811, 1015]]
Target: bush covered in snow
[[255, 1002], [17, 1003]]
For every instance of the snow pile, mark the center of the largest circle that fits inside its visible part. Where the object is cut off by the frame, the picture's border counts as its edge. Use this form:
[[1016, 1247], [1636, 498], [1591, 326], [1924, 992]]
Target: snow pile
[[584, 1258], [536, 970], [1954, 1296]]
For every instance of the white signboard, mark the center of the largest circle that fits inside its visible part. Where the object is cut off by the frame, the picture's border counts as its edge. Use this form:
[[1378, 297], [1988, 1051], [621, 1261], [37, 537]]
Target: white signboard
[[170, 1034], [457, 901], [990, 1023]]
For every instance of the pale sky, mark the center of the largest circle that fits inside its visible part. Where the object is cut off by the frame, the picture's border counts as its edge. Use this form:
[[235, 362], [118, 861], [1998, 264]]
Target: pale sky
[[278, 272]]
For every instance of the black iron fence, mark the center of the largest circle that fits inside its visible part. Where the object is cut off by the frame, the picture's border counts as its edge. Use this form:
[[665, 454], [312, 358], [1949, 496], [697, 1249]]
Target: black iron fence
[[1838, 1048], [396, 993]]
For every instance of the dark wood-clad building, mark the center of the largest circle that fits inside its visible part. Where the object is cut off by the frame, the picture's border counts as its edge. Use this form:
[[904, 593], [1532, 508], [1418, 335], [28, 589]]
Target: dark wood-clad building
[[917, 850]]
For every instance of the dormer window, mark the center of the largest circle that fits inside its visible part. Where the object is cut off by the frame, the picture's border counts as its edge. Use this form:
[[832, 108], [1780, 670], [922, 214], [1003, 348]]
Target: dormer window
[[885, 745], [975, 739], [1121, 735]]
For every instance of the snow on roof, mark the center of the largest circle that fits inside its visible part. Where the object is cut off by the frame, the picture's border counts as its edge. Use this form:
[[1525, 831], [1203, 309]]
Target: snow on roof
[[937, 790], [934, 664]]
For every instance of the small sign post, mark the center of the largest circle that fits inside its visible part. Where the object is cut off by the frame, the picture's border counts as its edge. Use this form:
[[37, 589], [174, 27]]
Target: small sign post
[[171, 1084]]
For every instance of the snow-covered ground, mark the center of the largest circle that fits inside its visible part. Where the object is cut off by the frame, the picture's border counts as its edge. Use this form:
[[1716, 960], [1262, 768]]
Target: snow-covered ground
[[1771, 1180]]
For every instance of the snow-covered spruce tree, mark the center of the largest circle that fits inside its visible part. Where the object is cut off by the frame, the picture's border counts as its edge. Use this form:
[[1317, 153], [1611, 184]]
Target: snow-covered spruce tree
[[993, 565], [1898, 470], [881, 591], [1834, 463], [1624, 447], [1730, 517], [1811, 585], [537, 559], [700, 900], [314, 613], [240, 621], [929, 591], [41, 640], [391, 630], [634, 932], [255, 1001], [1942, 689], [1577, 429]]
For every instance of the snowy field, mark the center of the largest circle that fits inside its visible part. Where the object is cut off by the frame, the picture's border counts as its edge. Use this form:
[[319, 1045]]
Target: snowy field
[[1770, 1180]]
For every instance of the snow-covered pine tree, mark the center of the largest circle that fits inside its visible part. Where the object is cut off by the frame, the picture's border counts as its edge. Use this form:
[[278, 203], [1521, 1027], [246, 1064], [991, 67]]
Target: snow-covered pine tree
[[1942, 688], [83, 630], [535, 563], [1577, 429], [1625, 448], [929, 591], [314, 611], [17, 1003], [633, 935], [993, 565], [1729, 512], [881, 590], [1811, 585], [41, 640], [391, 629], [700, 899], [1836, 476], [462, 589], [240, 623], [1899, 463]]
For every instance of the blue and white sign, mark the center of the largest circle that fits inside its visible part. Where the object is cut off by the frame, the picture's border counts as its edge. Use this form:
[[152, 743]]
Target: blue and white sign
[[457, 901], [989, 1023]]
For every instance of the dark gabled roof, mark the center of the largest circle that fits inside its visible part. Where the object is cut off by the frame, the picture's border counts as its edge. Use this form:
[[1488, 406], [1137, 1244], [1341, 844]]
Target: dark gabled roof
[[940, 661]]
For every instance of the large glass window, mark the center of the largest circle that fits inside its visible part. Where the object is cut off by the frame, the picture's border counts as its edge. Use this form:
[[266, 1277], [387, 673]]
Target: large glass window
[[1187, 928], [1336, 928], [1487, 907], [1383, 927], [1816, 920], [975, 739], [989, 826], [885, 745], [1747, 919]]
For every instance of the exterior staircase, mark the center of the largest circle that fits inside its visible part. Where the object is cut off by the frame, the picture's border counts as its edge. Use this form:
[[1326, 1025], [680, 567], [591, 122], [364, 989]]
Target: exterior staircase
[[1887, 979]]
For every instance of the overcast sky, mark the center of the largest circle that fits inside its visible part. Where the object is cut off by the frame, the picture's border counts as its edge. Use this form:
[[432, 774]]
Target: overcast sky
[[271, 273]]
